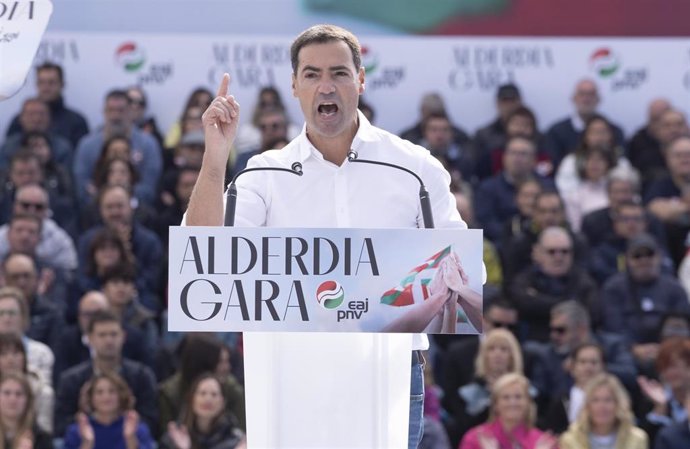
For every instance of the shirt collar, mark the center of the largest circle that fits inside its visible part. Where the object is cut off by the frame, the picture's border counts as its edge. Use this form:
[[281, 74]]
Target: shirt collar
[[366, 132]]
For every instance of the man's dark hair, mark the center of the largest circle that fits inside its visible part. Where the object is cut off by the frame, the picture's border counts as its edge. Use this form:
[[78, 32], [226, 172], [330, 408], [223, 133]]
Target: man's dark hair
[[102, 316], [436, 115], [119, 272], [323, 34], [118, 94], [26, 217], [51, 66]]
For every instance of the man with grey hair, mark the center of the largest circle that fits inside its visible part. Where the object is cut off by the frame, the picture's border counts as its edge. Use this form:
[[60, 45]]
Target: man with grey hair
[[570, 327], [432, 103]]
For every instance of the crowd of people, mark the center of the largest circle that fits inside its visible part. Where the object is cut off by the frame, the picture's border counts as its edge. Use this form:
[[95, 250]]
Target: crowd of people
[[586, 316]]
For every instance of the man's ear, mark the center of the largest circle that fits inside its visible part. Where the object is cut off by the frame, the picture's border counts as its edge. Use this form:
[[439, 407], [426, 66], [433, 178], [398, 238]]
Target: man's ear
[[362, 85], [294, 80]]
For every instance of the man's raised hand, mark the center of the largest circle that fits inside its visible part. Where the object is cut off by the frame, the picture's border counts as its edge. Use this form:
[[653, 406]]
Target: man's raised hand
[[220, 122]]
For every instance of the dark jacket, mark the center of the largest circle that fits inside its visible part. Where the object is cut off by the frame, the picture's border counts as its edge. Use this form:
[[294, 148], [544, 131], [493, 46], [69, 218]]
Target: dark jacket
[[63, 121], [139, 378], [224, 435], [675, 436]]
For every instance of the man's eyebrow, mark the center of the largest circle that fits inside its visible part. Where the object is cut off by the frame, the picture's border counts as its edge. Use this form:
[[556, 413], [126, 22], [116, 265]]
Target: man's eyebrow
[[311, 68]]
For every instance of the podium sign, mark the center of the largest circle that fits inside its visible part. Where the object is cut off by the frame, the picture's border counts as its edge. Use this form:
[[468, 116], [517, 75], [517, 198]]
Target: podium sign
[[315, 280]]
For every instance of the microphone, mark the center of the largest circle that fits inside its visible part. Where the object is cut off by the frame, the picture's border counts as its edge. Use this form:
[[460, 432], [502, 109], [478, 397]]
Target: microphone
[[424, 199], [231, 200]]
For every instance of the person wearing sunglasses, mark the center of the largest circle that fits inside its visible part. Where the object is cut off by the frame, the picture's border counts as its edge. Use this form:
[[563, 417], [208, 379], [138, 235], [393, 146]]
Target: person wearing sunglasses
[[569, 328], [635, 302], [551, 279]]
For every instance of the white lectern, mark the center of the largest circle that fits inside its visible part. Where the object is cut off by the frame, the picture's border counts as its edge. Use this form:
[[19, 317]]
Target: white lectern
[[326, 390]]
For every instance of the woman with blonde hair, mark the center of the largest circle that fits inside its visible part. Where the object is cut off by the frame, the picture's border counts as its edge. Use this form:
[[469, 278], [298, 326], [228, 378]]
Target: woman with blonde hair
[[18, 428], [499, 354], [605, 421], [511, 422]]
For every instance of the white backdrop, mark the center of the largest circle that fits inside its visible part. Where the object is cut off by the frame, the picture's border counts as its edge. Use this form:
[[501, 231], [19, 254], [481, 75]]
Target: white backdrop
[[464, 70]]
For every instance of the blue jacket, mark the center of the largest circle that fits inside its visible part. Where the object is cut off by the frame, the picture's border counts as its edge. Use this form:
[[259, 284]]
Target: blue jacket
[[108, 436]]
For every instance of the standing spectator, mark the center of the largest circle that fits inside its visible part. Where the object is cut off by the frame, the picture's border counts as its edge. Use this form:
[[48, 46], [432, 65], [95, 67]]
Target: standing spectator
[[606, 419], [50, 83], [190, 118], [437, 137], [138, 104], [644, 148], [563, 136]]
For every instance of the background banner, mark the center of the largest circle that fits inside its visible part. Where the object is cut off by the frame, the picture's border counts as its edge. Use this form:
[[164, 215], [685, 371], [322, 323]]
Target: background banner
[[400, 69], [320, 280]]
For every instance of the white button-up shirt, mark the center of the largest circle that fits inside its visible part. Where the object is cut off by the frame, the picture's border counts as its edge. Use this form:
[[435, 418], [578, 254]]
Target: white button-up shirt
[[352, 195]]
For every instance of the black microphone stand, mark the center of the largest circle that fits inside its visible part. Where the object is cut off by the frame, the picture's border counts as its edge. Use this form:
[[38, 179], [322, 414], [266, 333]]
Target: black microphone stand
[[231, 200], [424, 199]]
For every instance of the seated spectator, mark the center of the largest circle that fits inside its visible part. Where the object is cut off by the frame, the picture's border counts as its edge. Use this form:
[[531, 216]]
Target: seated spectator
[[117, 214], [520, 123], [431, 103], [73, 347], [494, 201], [121, 291], [512, 419], [606, 419], [584, 363], [644, 148], [15, 316], [68, 123], [55, 246], [634, 303], [551, 278], [608, 258], [494, 134], [138, 103], [45, 312], [200, 354], [25, 170], [598, 133], [35, 117], [570, 327], [590, 193], [249, 134], [516, 252], [204, 421], [525, 199], [190, 118], [676, 435], [13, 361], [664, 400], [57, 175], [272, 124], [563, 136], [107, 418], [437, 137], [106, 338], [597, 226], [499, 353], [173, 201], [667, 198], [18, 429], [146, 155]]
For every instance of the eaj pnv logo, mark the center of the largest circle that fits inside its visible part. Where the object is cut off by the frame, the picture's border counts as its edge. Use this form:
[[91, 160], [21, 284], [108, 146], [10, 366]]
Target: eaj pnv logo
[[604, 62], [130, 56], [330, 294]]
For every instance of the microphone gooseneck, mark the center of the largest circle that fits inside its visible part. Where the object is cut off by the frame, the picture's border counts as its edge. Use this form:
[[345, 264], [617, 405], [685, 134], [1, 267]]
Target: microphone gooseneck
[[424, 199], [231, 200]]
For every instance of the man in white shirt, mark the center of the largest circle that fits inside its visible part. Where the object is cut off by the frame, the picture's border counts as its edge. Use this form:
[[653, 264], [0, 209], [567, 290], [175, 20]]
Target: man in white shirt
[[327, 79]]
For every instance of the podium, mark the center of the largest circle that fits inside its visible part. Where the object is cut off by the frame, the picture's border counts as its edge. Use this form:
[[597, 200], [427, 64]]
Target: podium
[[323, 368], [327, 390]]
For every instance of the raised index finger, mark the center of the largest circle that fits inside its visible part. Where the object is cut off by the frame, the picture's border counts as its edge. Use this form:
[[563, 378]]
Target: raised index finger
[[223, 89]]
